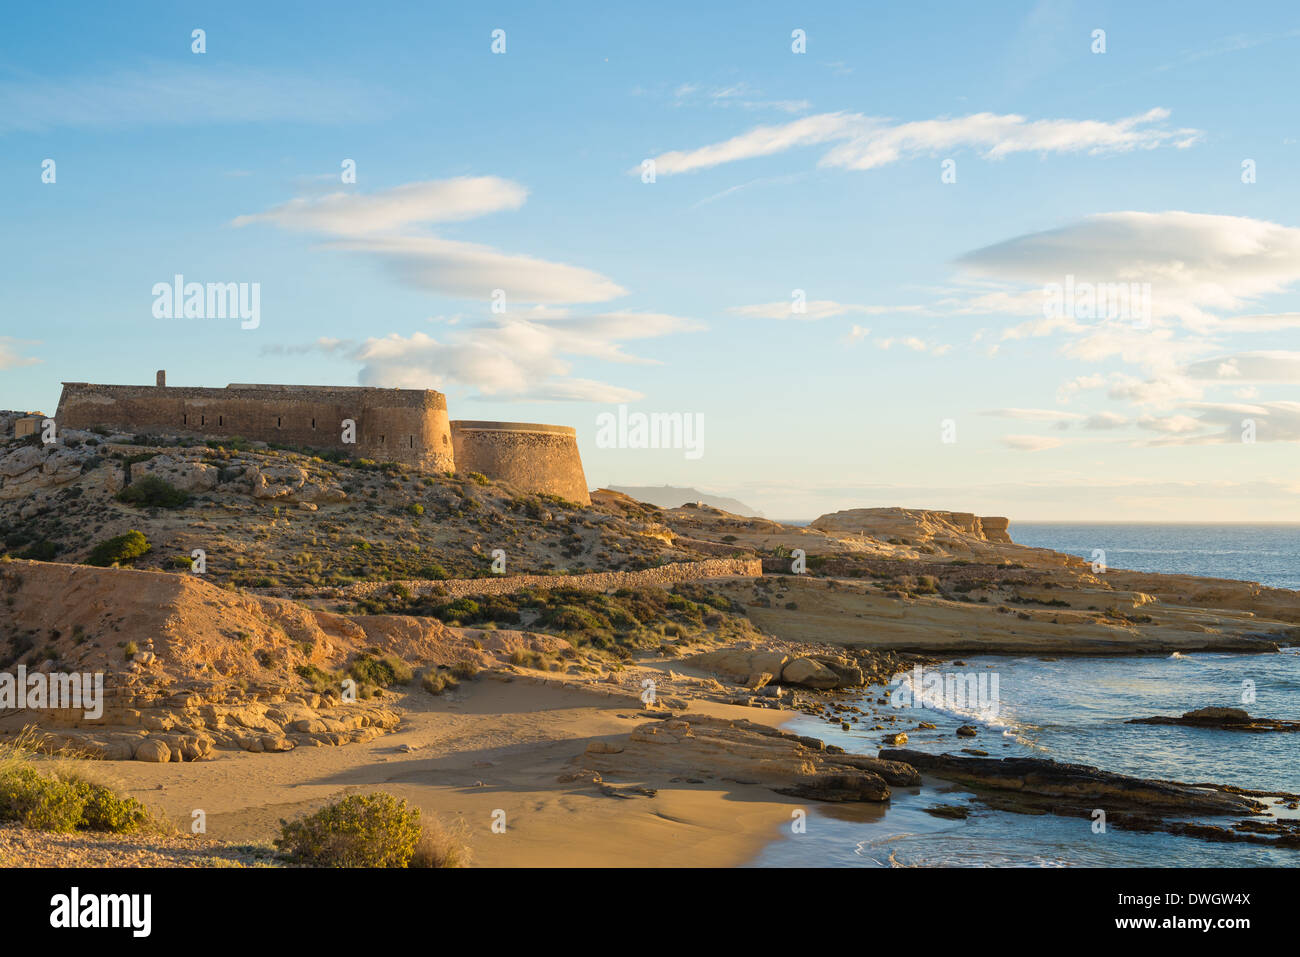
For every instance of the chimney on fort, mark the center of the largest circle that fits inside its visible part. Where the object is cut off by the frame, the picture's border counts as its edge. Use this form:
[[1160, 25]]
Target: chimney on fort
[[162, 378]]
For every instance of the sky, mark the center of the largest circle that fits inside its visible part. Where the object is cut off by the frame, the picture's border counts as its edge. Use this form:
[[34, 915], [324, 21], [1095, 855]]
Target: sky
[[972, 257]]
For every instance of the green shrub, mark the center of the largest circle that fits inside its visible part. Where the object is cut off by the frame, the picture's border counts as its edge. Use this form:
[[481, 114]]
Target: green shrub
[[123, 548], [370, 830], [436, 682], [319, 680], [465, 669], [64, 803], [131, 650], [153, 491], [108, 811], [416, 509], [42, 551], [39, 802], [381, 672]]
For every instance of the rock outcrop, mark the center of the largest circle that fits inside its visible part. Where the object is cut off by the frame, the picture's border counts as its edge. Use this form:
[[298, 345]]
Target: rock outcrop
[[1038, 785], [1222, 719], [704, 748]]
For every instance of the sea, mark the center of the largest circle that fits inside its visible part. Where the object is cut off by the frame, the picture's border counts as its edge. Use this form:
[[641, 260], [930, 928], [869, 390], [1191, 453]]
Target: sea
[[1075, 709]]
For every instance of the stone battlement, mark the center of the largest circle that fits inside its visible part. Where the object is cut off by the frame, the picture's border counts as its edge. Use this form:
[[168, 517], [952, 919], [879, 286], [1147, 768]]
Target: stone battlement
[[409, 426]]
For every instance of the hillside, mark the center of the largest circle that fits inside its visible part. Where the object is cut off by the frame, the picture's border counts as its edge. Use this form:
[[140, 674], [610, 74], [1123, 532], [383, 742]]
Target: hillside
[[279, 518]]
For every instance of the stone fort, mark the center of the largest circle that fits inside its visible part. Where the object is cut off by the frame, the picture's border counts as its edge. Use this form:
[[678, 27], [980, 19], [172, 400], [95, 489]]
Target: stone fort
[[409, 426]]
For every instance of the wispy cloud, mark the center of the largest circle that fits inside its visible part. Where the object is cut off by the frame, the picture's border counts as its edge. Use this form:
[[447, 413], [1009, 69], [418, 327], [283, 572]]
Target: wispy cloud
[[741, 95], [812, 310], [517, 357], [388, 225], [9, 354], [865, 142], [1031, 443], [1034, 415], [434, 201], [1275, 367]]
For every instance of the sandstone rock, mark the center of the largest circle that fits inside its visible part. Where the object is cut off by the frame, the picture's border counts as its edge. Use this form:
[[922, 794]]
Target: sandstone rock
[[186, 475], [967, 731], [153, 750], [738, 664], [895, 739], [748, 753], [811, 674]]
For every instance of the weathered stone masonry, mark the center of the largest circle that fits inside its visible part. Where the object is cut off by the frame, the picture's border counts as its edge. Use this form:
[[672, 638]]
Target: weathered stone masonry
[[409, 426], [543, 458], [663, 575]]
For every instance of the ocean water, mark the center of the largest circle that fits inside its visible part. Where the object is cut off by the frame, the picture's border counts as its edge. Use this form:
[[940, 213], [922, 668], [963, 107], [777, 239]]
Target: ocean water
[[1067, 710], [1075, 709], [1268, 554]]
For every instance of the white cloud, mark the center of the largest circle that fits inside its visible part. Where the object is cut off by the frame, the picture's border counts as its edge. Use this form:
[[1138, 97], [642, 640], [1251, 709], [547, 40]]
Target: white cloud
[[523, 357], [1275, 322], [1276, 367], [913, 343], [386, 225], [1001, 135], [1176, 424], [355, 214], [9, 356], [737, 94], [1160, 390], [871, 142], [1195, 263], [813, 310], [1031, 443], [1105, 420], [473, 271], [1034, 415], [1272, 422], [760, 141]]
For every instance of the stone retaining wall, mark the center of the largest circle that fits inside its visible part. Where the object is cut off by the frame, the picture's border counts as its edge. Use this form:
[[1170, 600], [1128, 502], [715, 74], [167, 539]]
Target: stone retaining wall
[[596, 581]]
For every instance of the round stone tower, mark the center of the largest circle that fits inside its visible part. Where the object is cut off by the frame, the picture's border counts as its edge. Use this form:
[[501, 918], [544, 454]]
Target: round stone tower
[[531, 457]]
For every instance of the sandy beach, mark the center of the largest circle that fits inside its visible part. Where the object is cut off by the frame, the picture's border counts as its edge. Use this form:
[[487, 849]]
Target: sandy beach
[[494, 745]]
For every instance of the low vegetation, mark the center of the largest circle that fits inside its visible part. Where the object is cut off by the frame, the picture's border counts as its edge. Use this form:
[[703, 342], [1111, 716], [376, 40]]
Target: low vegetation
[[615, 623], [119, 550], [152, 492], [369, 830], [48, 796]]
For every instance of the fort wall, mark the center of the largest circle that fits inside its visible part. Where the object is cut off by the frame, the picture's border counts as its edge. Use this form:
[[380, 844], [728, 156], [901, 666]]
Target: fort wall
[[409, 426], [529, 456]]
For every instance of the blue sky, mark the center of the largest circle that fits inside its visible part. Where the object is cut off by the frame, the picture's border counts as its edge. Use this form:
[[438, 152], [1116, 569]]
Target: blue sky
[[775, 172]]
